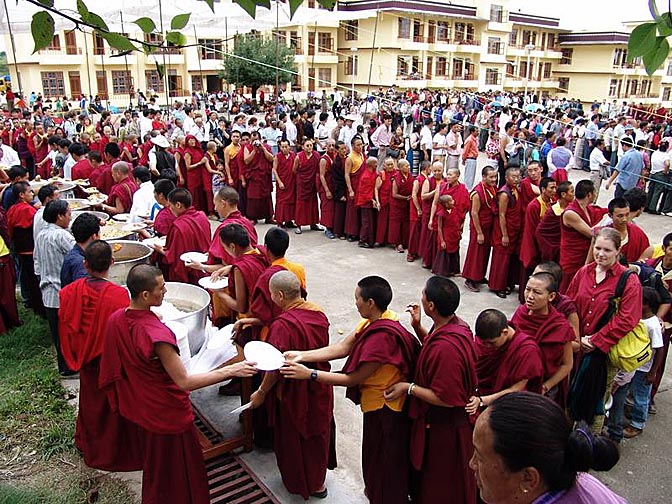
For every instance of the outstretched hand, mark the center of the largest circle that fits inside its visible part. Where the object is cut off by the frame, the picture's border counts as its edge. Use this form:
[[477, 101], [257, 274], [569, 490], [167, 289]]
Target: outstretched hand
[[295, 371]]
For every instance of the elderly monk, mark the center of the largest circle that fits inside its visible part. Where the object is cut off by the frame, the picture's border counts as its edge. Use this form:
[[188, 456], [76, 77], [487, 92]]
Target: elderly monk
[[383, 196], [190, 232], [107, 440], [415, 228], [483, 210], [505, 265], [538, 318], [120, 198], [306, 172], [445, 378], [285, 185], [301, 412], [547, 234], [578, 222], [430, 186], [402, 188], [508, 360], [452, 186], [354, 167], [381, 353], [147, 382]]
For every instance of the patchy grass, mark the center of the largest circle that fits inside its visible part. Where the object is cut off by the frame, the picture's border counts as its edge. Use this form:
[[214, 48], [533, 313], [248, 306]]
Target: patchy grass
[[38, 460]]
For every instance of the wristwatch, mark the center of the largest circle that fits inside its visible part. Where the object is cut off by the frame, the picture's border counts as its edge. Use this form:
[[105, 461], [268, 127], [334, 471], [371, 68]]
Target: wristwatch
[[313, 374]]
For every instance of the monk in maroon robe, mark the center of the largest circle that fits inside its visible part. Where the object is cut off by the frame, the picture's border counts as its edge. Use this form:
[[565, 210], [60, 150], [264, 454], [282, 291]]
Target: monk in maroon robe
[[106, 439], [306, 169], [366, 203], [340, 190], [633, 240], [82, 169], [547, 234], [383, 195], [445, 378], [164, 218], [146, 382], [416, 212], [381, 354], [483, 211], [505, 264], [285, 185], [354, 167], [538, 318], [529, 187], [301, 412], [9, 314], [402, 188], [120, 198], [190, 232], [508, 360], [452, 186], [257, 168], [427, 248], [325, 185]]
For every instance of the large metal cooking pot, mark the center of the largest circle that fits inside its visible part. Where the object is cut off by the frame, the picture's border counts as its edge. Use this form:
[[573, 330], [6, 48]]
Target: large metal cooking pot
[[127, 254], [77, 204], [194, 300], [101, 215]]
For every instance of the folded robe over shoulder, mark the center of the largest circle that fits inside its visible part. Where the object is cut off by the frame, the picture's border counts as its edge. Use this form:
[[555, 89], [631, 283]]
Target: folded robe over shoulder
[[190, 232]]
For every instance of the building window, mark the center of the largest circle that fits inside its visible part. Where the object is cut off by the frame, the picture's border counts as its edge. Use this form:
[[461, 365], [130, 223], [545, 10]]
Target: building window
[[492, 77], [404, 28], [75, 84], [496, 13], [324, 77], [296, 79], [52, 84], [620, 57], [547, 70], [418, 31], [669, 69], [416, 67], [464, 33], [295, 42], [122, 82], [402, 66], [494, 45], [513, 37], [196, 83], [529, 37], [351, 65], [70, 42], [645, 88], [280, 36], [441, 66], [563, 84], [430, 64], [211, 49], [351, 29], [550, 41], [666, 93], [324, 42], [154, 81], [523, 70], [101, 84], [566, 58], [98, 44], [442, 31], [311, 43], [55, 44], [510, 69]]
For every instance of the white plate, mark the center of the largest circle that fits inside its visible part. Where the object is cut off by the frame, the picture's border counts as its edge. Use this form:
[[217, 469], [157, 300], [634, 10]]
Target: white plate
[[241, 408], [134, 226], [194, 257], [122, 217], [207, 283], [266, 356], [220, 337], [155, 240]]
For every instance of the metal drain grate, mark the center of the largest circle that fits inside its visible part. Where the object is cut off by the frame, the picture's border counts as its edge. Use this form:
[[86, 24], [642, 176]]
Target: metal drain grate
[[206, 429], [232, 482]]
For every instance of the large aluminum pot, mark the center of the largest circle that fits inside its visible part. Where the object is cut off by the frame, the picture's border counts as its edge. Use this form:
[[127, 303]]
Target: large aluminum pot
[[127, 254], [101, 215], [195, 301]]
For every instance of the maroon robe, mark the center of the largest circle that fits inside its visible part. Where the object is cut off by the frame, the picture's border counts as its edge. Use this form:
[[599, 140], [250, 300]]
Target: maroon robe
[[352, 223], [504, 267], [326, 204], [447, 366], [527, 195], [163, 220], [107, 440], [415, 222], [384, 196], [478, 255], [251, 266], [261, 304], [9, 314], [460, 197], [500, 368], [399, 210], [637, 243], [564, 305], [427, 248], [141, 390], [301, 411], [101, 177], [259, 202], [385, 438], [529, 251], [306, 190], [216, 251], [573, 245], [81, 169], [447, 260], [285, 199], [190, 232], [122, 191], [547, 236], [551, 332]]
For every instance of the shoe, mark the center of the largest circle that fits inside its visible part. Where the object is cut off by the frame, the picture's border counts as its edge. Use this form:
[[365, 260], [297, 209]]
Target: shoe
[[290, 224], [342, 237], [315, 227], [630, 432], [320, 495], [298, 230], [376, 245], [400, 249], [270, 221], [667, 214], [352, 238], [410, 258], [69, 374], [652, 409], [329, 234], [501, 294], [364, 245], [471, 286]]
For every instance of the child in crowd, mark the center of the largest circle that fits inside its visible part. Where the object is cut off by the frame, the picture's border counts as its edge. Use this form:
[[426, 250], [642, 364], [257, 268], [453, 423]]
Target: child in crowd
[[447, 260]]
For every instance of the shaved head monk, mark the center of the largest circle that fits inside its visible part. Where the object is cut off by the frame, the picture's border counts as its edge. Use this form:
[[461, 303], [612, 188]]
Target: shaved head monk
[[107, 440], [120, 198], [508, 360], [381, 353], [302, 410], [550, 329], [445, 378], [547, 234], [141, 369], [633, 239], [561, 302], [189, 232]]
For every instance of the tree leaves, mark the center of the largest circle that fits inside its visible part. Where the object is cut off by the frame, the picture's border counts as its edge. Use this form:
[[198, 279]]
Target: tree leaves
[[160, 69], [118, 41], [211, 4], [642, 40], [47, 3], [179, 21], [146, 24], [176, 38], [42, 29], [653, 59], [293, 6], [249, 6]]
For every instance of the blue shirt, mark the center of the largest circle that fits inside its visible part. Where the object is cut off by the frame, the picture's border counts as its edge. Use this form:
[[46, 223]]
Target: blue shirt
[[73, 266], [629, 169]]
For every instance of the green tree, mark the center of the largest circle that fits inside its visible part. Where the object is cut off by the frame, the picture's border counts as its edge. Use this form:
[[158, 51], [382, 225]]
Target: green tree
[[253, 62], [649, 40]]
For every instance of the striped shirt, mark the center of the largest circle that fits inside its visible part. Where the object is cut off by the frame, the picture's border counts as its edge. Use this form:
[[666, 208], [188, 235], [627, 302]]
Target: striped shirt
[[52, 245]]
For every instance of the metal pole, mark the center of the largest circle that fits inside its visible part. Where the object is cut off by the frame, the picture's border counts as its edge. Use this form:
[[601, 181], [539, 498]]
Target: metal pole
[[368, 84], [11, 38], [528, 48], [164, 49], [277, 49], [198, 49], [128, 73], [88, 64]]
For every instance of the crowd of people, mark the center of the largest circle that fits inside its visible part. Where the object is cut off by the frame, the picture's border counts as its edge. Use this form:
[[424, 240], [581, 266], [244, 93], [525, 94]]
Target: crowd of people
[[406, 178]]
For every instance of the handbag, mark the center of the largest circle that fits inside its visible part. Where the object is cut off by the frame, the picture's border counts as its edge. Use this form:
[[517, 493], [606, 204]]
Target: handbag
[[634, 349]]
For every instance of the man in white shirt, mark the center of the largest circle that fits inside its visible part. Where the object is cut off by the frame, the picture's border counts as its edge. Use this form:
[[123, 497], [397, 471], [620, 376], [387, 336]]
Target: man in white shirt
[[322, 133], [291, 131], [199, 130], [8, 156], [440, 144], [599, 166], [504, 118], [347, 132], [454, 146], [143, 198], [426, 139], [146, 122]]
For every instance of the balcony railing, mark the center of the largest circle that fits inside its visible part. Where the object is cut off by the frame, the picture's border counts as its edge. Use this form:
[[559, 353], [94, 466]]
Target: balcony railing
[[463, 76], [59, 51]]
